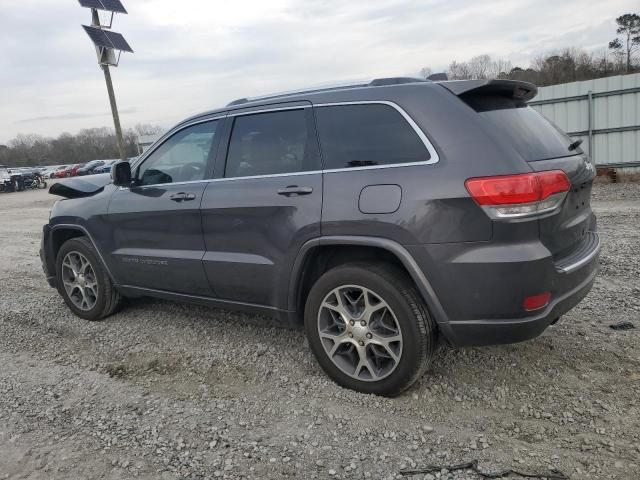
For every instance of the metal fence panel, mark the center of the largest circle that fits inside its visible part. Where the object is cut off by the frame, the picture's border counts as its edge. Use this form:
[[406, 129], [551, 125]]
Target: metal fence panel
[[605, 113]]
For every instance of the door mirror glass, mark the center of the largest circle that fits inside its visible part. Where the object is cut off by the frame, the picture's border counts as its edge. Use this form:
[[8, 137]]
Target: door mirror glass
[[121, 174]]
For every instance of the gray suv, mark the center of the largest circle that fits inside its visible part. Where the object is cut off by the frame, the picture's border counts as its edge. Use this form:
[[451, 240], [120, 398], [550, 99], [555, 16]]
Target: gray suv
[[382, 216]]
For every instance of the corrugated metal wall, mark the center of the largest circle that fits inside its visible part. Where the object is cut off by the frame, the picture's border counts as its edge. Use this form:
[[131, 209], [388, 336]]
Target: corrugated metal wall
[[614, 106]]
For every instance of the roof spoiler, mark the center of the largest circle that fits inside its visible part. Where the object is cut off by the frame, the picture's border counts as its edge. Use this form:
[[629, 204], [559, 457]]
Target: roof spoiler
[[511, 88]]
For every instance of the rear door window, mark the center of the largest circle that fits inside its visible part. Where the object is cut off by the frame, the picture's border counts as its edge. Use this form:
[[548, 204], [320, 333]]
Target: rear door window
[[366, 135], [272, 143], [532, 135]]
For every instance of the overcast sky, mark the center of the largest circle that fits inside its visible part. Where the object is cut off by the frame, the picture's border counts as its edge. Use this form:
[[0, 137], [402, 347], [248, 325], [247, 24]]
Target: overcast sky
[[193, 55]]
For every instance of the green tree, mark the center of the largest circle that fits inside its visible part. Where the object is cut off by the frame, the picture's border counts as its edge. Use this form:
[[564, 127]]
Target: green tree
[[629, 42]]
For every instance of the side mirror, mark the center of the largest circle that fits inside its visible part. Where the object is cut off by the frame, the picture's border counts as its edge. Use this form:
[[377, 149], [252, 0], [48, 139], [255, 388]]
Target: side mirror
[[121, 174]]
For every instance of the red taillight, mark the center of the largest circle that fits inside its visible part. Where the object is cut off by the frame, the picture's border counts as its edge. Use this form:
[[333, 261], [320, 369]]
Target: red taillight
[[517, 196], [536, 302], [517, 189]]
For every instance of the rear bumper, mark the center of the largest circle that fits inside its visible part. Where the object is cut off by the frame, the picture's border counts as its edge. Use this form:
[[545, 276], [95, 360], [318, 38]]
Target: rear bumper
[[494, 332], [481, 288]]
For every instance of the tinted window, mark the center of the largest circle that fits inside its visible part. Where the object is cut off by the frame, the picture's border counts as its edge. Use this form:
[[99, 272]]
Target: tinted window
[[532, 135], [182, 158], [271, 143], [364, 135]]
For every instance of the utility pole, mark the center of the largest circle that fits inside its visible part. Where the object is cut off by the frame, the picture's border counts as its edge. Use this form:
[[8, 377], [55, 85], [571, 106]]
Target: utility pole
[[107, 43], [95, 22], [114, 112]]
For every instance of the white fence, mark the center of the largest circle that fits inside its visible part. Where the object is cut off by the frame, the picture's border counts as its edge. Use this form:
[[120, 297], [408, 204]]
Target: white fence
[[605, 113]]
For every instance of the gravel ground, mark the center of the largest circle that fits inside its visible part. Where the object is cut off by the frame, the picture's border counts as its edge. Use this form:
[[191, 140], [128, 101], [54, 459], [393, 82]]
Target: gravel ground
[[169, 391]]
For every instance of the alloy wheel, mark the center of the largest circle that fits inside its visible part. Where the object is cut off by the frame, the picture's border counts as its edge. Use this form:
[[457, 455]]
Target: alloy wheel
[[360, 333], [79, 280]]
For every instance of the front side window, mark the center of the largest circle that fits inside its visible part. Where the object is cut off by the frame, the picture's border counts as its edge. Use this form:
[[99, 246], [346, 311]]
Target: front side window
[[367, 135], [271, 143], [182, 158]]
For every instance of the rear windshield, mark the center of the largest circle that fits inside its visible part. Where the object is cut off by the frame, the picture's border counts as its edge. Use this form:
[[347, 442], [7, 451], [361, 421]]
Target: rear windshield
[[532, 135]]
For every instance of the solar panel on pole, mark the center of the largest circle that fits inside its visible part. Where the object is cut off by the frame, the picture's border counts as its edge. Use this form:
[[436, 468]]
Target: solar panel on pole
[[107, 5], [107, 43], [114, 6], [107, 39], [91, 4]]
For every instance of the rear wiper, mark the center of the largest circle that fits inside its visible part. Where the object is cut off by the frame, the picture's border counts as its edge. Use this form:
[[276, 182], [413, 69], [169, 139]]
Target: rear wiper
[[574, 145]]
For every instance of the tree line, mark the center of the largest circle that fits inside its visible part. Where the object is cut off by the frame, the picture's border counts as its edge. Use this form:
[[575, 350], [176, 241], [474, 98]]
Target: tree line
[[32, 150], [564, 66], [567, 65]]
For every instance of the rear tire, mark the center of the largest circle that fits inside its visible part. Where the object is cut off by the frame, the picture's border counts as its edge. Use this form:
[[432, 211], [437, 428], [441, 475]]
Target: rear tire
[[83, 282], [369, 329]]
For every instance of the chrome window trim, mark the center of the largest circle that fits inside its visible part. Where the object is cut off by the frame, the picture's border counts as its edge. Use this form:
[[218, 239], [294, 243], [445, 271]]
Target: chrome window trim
[[434, 157], [209, 180], [156, 185], [433, 154], [268, 110], [270, 175]]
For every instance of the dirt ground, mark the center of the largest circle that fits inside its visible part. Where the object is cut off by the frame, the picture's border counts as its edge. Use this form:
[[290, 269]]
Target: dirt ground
[[169, 391]]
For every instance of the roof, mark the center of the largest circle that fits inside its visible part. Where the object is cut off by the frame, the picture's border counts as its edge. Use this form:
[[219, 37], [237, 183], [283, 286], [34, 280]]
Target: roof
[[374, 90], [307, 95], [376, 82]]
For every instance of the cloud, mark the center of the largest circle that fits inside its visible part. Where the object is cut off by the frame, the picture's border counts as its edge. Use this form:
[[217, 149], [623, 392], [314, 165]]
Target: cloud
[[195, 55]]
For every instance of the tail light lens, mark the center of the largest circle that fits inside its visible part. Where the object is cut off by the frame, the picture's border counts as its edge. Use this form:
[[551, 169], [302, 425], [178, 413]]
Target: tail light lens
[[520, 196]]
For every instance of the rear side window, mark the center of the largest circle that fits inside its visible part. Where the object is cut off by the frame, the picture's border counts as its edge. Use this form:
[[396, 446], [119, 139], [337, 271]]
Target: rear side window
[[367, 135], [527, 131], [271, 143]]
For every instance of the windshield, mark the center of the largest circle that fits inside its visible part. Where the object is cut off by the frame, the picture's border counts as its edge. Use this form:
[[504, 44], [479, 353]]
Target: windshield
[[531, 134]]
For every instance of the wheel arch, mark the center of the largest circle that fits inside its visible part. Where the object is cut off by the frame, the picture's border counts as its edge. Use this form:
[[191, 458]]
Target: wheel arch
[[318, 254], [62, 232]]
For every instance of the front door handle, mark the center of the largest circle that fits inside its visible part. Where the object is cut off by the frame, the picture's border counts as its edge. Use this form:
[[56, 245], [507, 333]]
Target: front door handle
[[183, 197], [295, 190]]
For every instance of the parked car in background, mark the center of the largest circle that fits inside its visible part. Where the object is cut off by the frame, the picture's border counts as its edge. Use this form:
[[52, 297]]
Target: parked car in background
[[49, 171], [381, 215], [69, 171], [32, 178], [60, 172], [89, 167], [104, 168], [11, 180]]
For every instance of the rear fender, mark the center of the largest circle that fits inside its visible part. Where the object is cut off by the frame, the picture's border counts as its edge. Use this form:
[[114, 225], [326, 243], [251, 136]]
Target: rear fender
[[403, 256]]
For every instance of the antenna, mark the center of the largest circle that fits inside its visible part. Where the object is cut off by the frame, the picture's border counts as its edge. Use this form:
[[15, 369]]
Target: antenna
[[107, 43]]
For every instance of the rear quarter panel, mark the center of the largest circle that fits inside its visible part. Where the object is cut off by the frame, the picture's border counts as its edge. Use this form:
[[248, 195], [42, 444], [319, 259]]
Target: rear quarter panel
[[435, 206]]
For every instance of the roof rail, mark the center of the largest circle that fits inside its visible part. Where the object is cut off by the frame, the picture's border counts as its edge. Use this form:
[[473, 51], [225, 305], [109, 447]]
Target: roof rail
[[239, 101], [376, 82], [381, 82]]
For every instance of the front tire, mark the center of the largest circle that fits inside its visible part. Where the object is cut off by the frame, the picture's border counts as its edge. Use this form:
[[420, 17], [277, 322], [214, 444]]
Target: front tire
[[83, 282], [369, 329]]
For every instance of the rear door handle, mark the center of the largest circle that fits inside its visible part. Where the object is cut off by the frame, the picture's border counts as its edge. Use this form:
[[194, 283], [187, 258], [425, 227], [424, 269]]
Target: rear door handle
[[295, 190], [183, 197]]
